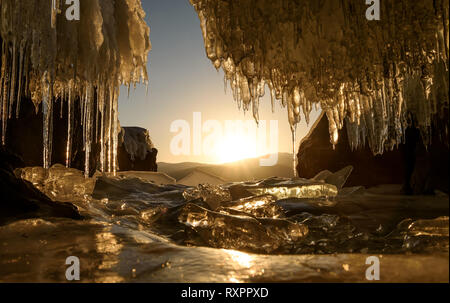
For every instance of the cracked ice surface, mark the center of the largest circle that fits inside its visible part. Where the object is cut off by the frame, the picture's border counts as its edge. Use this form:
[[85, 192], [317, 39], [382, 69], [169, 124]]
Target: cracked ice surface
[[370, 74], [46, 57]]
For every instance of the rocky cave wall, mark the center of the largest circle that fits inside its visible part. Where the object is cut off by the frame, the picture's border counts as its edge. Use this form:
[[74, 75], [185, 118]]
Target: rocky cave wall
[[421, 169]]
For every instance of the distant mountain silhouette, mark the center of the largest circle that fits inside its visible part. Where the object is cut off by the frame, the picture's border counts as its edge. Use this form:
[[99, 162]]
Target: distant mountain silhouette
[[243, 170]]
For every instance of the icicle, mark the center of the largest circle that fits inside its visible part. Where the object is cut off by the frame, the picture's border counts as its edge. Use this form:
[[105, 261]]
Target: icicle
[[355, 71], [82, 109], [21, 71], [225, 84], [96, 138], [115, 130], [26, 74], [101, 100], [294, 152], [110, 126], [54, 12], [35, 64], [88, 129], [47, 109], [83, 120], [70, 107], [61, 103], [5, 97], [12, 94], [2, 80]]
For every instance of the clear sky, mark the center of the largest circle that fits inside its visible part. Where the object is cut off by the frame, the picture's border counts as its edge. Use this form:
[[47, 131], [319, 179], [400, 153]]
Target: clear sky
[[183, 81]]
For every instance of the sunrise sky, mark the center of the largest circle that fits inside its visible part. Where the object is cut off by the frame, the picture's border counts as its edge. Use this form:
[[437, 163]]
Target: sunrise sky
[[183, 81]]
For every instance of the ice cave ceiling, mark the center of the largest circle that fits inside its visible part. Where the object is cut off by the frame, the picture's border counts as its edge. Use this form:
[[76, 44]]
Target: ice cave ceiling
[[372, 74], [375, 75]]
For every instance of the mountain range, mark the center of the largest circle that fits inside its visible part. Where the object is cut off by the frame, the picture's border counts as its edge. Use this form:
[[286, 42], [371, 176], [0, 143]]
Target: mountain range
[[243, 170]]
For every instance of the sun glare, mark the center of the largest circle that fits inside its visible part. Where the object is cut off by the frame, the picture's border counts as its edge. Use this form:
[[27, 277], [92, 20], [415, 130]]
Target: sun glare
[[235, 148]]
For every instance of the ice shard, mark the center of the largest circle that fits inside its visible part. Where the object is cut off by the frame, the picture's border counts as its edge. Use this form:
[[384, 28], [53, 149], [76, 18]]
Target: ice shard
[[372, 75], [338, 179], [259, 206], [220, 230], [58, 182], [295, 188], [212, 195], [427, 235], [46, 57]]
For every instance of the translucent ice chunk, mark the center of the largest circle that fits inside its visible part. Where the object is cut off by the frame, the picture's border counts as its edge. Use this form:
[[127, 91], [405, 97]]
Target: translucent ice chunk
[[323, 175], [260, 206], [437, 227], [340, 178], [428, 235], [58, 182], [239, 232], [213, 195], [296, 188], [331, 234]]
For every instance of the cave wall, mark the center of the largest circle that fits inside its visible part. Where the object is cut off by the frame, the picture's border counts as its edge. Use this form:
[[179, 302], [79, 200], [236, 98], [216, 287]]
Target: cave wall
[[25, 136], [128, 164], [25, 139], [411, 164]]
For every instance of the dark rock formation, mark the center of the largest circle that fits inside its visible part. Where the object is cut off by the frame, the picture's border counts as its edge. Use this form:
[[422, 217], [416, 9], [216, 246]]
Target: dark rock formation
[[411, 164], [136, 151], [21, 200], [25, 136]]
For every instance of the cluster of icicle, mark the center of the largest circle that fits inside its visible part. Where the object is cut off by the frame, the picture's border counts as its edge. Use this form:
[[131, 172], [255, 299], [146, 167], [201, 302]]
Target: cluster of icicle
[[48, 58], [378, 76]]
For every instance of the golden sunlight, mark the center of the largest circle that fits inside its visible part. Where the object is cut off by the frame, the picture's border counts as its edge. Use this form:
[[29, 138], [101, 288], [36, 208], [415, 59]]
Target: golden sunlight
[[241, 258], [236, 147]]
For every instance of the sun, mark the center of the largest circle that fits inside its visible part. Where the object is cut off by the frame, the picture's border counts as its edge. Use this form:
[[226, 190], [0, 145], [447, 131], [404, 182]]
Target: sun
[[233, 148]]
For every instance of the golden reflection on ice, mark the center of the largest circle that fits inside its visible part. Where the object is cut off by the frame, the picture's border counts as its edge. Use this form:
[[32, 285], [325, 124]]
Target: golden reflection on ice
[[303, 191], [109, 247], [346, 267], [243, 261], [251, 205]]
